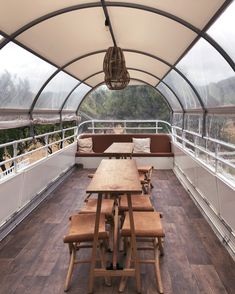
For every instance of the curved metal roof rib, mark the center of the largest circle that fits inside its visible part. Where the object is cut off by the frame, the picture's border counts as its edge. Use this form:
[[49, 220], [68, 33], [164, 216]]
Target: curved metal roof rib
[[173, 17], [87, 78], [132, 79], [102, 51], [155, 37]]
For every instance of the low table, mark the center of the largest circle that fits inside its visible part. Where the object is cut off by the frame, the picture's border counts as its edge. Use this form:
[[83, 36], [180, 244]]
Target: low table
[[115, 176], [120, 150]]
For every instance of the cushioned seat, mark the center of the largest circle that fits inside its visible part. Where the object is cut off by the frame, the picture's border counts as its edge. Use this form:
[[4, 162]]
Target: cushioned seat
[[139, 203], [145, 175], [91, 205], [81, 235], [145, 168], [160, 144], [142, 178], [148, 228], [147, 224], [100, 154], [82, 228]]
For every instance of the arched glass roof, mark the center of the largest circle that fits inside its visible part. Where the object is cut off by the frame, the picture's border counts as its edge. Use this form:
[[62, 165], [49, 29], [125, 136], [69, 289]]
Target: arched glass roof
[[52, 53]]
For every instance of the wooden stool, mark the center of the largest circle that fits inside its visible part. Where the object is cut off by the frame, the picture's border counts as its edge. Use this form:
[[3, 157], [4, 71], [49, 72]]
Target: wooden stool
[[145, 175], [148, 228], [139, 203], [106, 207], [82, 230]]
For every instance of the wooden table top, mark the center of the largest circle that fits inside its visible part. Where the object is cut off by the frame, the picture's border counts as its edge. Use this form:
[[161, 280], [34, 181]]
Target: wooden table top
[[114, 175], [120, 148]]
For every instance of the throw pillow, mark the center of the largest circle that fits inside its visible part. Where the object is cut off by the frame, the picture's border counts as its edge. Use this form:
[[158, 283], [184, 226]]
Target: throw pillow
[[85, 145], [141, 145]]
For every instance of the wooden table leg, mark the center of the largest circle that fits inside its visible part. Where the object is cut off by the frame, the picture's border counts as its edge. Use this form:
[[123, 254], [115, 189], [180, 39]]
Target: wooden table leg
[[115, 237], [134, 245], [95, 243]]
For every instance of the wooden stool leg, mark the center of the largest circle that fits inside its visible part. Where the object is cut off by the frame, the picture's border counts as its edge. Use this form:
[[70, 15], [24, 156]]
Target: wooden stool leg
[[160, 246], [123, 281], [157, 267], [72, 251], [134, 245], [95, 243], [103, 263]]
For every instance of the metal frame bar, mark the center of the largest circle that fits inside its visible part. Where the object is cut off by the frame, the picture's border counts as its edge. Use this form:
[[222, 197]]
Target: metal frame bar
[[139, 80], [108, 22], [103, 51], [61, 109], [113, 121], [199, 32]]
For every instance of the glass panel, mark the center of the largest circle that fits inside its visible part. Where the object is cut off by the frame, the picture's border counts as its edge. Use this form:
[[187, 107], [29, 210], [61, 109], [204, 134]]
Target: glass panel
[[223, 30], [76, 97], [56, 91], [21, 76], [183, 90], [170, 96], [133, 102], [177, 120], [210, 74], [193, 123], [227, 171], [189, 142], [221, 127]]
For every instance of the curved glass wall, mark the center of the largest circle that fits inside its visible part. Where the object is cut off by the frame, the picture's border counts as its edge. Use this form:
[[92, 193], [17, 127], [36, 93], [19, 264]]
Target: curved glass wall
[[134, 102], [183, 90], [170, 96], [223, 30], [54, 94], [21, 76], [76, 97], [193, 122], [211, 75], [221, 127]]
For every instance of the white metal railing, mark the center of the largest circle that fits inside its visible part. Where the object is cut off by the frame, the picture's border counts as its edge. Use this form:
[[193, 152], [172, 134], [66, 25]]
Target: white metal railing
[[125, 125], [13, 161], [215, 157]]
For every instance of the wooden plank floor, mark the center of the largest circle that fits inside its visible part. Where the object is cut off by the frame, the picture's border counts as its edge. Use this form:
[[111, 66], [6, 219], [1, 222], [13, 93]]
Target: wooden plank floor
[[33, 258]]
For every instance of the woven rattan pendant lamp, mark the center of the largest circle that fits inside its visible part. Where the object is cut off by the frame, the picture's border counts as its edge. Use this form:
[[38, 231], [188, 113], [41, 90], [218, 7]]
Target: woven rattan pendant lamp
[[114, 66]]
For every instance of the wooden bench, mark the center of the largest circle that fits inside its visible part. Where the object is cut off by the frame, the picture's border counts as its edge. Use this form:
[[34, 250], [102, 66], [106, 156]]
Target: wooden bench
[[160, 156]]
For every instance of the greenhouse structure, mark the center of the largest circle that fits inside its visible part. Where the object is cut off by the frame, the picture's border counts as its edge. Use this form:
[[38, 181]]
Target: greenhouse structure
[[117, 146]]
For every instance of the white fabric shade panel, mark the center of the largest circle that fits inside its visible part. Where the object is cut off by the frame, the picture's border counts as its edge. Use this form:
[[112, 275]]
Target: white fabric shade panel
[[196, 12], [154, 36]]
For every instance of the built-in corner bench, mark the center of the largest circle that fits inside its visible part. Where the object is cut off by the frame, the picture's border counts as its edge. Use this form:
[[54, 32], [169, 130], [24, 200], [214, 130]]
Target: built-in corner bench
[[160, 156]]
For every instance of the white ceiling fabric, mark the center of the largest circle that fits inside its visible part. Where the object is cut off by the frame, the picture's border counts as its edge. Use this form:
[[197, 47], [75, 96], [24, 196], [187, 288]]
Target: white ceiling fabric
[[77, 33]]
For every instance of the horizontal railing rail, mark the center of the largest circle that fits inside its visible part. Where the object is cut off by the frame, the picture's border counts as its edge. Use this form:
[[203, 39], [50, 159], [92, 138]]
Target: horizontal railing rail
[[124, 125], [16, 166], [215, 157]]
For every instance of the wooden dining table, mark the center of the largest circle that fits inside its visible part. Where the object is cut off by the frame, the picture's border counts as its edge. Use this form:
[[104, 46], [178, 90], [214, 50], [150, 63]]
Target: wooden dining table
[[120, 150], [115, 177]]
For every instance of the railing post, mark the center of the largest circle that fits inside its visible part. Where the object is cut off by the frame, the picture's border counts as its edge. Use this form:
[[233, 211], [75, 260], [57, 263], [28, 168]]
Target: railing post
[[183, 139], [46, 145], [216, 157], [124, 127], [75, 134], [93, 126], [156, 126], [14, 155], [63, 136], [195, 145]]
